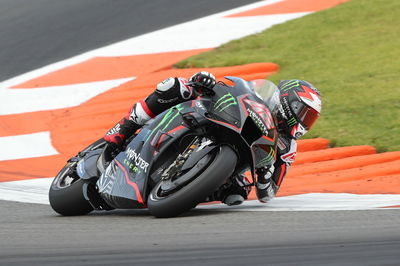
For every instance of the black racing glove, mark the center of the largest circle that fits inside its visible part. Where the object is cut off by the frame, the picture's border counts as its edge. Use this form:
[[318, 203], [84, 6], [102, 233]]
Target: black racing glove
[[202, 79]]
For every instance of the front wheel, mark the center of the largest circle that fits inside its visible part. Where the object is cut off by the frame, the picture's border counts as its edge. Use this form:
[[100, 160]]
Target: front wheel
[[220, 167]]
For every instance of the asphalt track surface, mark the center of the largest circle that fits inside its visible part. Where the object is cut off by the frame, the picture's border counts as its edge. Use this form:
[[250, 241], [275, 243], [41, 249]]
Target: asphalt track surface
[[40, 32], [33, 235], [36, 33]]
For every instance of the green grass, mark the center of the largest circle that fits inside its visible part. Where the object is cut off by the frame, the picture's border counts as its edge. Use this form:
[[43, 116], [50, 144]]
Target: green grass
[[350, 52]]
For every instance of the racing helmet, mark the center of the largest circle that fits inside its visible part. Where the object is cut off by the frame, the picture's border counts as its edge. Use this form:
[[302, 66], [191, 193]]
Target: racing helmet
[[300, 107]]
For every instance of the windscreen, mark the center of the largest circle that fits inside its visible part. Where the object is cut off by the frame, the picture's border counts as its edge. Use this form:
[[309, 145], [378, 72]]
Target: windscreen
[[267, 91]]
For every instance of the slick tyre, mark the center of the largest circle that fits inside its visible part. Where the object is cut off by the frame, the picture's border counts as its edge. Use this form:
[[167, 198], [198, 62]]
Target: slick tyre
[[66, 194], [220, 168]]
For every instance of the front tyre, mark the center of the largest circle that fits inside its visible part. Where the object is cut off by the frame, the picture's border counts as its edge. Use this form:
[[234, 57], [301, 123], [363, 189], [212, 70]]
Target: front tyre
[[66, 193], [222, 166]]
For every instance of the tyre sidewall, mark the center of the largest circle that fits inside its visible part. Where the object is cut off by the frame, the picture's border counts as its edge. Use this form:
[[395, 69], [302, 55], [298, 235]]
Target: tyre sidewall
[[69, 200], [195, 192]]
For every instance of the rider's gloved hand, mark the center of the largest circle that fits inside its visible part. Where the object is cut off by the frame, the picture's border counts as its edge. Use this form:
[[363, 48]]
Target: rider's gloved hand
[[265, 187], [203, 79]]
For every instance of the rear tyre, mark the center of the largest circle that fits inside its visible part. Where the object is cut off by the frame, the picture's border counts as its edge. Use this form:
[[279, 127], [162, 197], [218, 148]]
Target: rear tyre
[[66, 193], [218, 170]]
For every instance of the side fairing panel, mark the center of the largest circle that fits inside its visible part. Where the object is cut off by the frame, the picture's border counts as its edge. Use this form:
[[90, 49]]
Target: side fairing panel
[[124, 183]]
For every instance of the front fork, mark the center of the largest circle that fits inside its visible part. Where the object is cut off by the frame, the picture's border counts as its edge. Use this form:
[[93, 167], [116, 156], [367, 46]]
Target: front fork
[[175, 169]]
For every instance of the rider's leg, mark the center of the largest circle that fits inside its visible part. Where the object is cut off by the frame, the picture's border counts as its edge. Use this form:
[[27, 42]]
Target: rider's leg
[[167, 94], [127, 126]]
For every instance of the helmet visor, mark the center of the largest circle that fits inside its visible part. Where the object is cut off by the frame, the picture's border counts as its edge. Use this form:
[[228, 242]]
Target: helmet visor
[[305, 114]]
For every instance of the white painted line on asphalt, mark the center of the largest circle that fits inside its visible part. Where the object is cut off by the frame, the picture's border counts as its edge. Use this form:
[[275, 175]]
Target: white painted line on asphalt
[[28, 191], [50, 98], [228, 29], [26, 146], [315, 202], [36, 191]]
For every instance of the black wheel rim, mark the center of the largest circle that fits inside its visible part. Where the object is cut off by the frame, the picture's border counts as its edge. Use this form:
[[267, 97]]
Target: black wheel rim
[[67, 177], [161, 194]]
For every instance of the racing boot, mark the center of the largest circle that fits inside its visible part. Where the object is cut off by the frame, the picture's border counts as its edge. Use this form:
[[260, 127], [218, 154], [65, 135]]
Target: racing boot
[[235, 191], [125, 128], [266, 187]]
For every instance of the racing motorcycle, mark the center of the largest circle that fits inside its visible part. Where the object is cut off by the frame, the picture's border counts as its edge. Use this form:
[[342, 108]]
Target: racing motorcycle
[[180, 158]]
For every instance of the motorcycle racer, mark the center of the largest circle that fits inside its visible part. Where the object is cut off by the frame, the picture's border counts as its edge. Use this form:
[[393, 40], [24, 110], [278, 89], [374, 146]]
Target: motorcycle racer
[[300, 108]]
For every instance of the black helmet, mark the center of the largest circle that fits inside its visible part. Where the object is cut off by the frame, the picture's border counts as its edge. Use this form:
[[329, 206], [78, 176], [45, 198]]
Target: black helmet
[[300, 107]]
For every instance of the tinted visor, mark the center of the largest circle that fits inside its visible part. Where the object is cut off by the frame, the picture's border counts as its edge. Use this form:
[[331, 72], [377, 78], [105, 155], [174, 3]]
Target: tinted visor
[[305, 114]]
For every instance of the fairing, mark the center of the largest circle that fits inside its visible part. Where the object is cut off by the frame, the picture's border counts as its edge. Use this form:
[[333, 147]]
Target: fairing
[[124, 183], [259, 102]]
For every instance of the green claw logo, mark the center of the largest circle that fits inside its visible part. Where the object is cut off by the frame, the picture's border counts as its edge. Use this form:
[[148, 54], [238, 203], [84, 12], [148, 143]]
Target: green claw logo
[[267, 159], [168, 118], [290, 85], [292, 122], [224, 102]]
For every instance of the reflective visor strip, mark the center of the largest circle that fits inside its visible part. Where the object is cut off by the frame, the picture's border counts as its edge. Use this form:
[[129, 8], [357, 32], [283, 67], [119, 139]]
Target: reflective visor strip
[[308, 116], [305, 114]]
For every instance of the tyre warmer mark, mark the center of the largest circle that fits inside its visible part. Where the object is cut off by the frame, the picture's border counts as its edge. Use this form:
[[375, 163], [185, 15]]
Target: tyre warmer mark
[[132, 184]]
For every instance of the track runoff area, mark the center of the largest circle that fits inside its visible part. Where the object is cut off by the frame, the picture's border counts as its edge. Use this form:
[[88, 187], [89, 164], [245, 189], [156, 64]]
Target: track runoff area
[[49, 114]]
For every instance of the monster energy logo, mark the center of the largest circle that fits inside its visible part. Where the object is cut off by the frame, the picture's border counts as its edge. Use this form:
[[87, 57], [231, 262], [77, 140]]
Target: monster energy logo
[[257, 121], [268, 159], [224, 102], [290, 85], [292, 121]]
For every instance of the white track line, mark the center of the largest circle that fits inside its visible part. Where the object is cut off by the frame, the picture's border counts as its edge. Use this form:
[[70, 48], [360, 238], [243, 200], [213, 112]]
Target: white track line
[[51, 98], [26, 146], [316, 202], [39, 99], [29, 191], [36, 191], [183, 37]]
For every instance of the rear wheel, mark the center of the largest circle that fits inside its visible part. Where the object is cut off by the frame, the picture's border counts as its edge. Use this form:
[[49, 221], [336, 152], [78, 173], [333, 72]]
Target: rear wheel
[[173, 197], [66, 193]]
